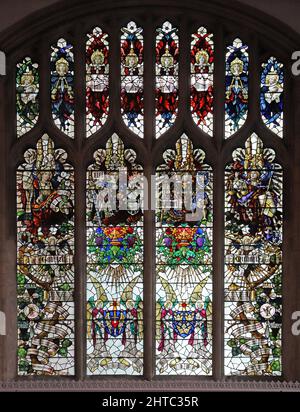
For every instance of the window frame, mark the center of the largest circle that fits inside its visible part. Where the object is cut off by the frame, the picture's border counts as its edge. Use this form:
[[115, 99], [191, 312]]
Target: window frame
[[225, 24]]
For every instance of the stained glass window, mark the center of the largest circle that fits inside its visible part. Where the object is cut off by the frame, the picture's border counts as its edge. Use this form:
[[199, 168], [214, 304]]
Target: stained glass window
[[166, 68], [253, 254], [97, 80], [27, 95], [236, 82], [114, 262], [184, 263], [202, 67], [45, 271], [105, 63], [132, 84], [62, 86], [271, 95]]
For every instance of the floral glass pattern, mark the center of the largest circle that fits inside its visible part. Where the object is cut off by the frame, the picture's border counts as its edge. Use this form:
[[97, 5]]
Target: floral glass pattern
[[27, 95], [236, 86], [202, 67], [97, 80], [62, 86], [45, 271], [184, 264], [132, 82], [253, 261], [166, 69], [114, 262], [271, 95]]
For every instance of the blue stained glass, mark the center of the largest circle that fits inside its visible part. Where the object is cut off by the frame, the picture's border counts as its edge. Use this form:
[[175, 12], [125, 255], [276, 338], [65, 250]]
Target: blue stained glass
[[236, 82], [62, 86], [271, 95]]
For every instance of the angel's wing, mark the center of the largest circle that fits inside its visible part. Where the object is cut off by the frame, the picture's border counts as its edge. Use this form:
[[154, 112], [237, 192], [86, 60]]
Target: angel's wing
[[170, 293], [127, 293], [197, 292], [101, 295], [170, 296]]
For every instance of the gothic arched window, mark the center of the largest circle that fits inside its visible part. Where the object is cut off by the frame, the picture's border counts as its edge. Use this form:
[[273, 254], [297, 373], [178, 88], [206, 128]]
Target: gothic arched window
[[192, 281]]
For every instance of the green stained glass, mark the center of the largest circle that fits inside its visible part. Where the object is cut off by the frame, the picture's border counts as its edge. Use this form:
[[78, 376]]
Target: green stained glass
[[114, 263], [27, 95], [184, 263], [45, 270], [253, 261]]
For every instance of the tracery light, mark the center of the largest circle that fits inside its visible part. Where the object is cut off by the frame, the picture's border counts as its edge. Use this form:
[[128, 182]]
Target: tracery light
[[166, 70], [236, 87], [271, 95], [27, 95], [202, 67], [132, 81], [62, 86], [97, 80]]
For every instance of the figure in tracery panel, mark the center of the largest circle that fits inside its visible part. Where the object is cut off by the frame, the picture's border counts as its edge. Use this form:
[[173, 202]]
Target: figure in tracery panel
[[45, 277], [183, 264], [62, 86], [27, 95], [115, 262], [132, 83], [97, 81], [166, 70], [202, 66], [236, 87], [271, 95], [253, 254]]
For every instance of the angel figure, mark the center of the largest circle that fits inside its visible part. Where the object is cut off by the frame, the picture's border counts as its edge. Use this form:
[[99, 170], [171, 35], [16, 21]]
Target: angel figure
[[112, 320], [183, 329]]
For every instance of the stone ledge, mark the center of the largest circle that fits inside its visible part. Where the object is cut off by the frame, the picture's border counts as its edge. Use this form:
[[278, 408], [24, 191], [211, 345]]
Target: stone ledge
[[142, 385]]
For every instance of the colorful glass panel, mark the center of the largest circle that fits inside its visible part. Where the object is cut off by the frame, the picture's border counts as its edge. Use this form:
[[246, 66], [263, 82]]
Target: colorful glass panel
[[184, 263], [45, 271], [97, 80], [114, 262], [253, 261], [236, 84], [202, 67], [27, 95], [271, 95], [132, 83], [166, 67], [62, 86]]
